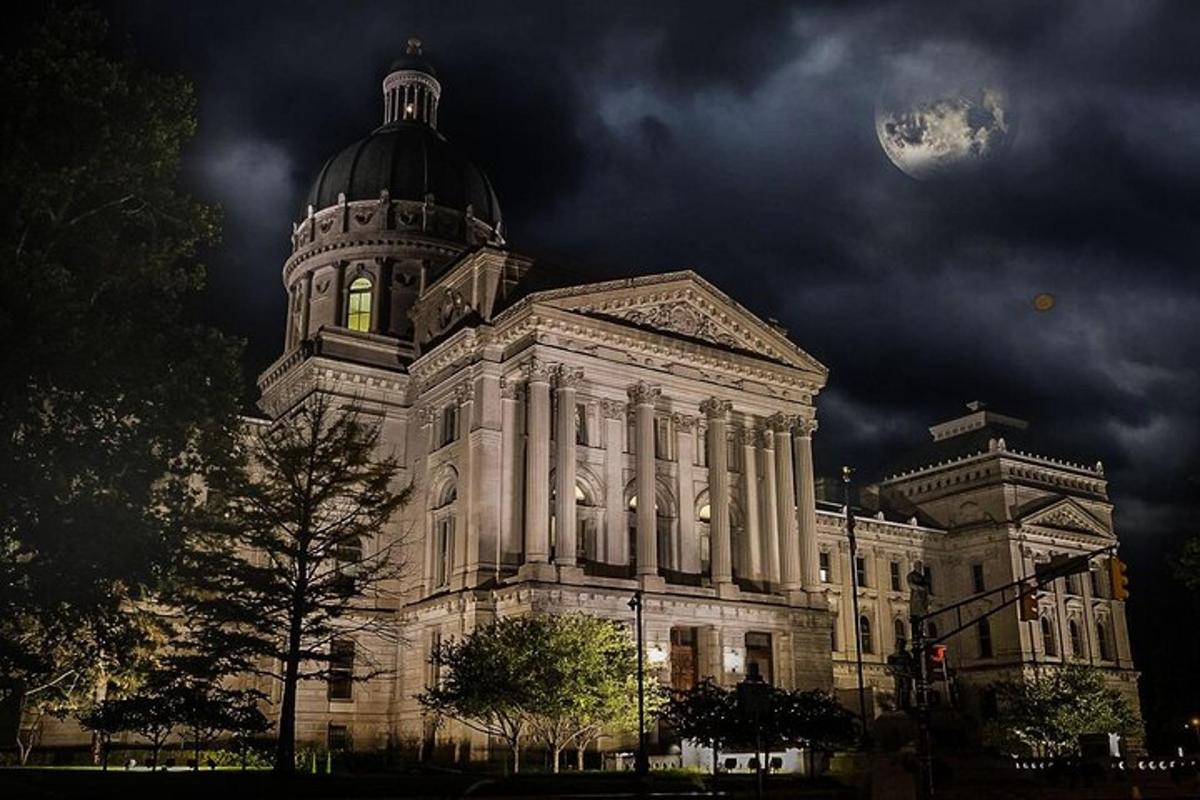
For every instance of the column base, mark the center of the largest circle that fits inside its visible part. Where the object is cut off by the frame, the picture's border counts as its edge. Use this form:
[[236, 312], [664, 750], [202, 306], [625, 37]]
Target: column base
[[570, 573], [652, 583], [796, 597], [728, 591], [538, 571]]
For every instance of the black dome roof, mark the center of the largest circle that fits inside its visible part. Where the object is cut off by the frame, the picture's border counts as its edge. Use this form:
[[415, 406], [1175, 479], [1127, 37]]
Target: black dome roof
[[410, 160]]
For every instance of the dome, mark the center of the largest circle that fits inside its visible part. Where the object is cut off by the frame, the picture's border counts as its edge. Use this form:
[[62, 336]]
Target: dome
[[410, 160]]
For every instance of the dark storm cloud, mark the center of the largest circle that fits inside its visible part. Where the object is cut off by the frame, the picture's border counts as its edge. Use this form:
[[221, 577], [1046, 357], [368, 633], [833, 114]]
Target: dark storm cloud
[[739, 140]]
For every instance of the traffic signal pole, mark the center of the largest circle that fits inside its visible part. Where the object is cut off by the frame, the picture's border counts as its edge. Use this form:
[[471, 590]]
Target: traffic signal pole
[[920, 614]]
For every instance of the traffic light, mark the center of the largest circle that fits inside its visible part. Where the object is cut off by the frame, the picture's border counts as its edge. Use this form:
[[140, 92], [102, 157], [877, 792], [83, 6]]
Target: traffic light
[[1118, 579], [935, 659], [1029, 606]]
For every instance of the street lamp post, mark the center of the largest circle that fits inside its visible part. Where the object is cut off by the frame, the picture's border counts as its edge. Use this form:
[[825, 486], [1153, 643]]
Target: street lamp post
[[858, 649], [642, 762]]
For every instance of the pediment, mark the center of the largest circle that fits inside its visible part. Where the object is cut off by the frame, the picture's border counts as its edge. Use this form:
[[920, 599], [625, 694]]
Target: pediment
[[1066, 515], [685, 305]]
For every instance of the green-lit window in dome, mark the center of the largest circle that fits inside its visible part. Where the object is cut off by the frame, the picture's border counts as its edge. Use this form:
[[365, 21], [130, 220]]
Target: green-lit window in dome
[[358, 307]]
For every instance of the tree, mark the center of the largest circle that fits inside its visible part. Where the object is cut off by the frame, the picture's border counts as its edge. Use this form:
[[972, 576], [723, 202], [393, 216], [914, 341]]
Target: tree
[[111, 399], [106, 718], [812, 720], [154, 716], [587, 683], [1187, 566], [1048, 712], [293, 557], [488, 680], [706, 714], [205, 710]]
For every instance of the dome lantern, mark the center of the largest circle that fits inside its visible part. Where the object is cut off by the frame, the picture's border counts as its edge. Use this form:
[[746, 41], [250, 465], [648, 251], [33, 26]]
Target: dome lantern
[[411, 90]]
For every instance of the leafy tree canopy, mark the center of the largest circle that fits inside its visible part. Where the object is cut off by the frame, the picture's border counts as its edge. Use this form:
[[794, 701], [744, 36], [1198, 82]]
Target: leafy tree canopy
[[1049, 712], [111, 399]]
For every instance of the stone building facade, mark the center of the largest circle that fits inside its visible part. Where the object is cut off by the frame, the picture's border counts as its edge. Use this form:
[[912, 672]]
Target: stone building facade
[[570, 444], [537, 419]]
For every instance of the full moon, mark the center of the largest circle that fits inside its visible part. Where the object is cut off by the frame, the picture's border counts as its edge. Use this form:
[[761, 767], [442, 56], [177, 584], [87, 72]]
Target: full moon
[[952, 132]]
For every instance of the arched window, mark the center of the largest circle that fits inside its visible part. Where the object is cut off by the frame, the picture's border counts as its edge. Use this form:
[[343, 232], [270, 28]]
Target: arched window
[[1049, 642], [705, 513], [358, 305], [901, 636], [1076, 641], [1102, 641], [864, 634]]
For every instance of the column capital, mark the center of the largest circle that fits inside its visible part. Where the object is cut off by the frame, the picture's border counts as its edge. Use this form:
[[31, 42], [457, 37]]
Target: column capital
[[805, 426], [425, 415], [779, 423], [509, 389], [537, 371], [464, 392], [612, 409], [567, 377], [642, 393], [715, 408]]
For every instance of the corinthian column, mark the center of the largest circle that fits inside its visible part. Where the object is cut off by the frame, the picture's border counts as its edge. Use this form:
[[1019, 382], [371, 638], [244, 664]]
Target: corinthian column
[[785, 500], [717, 412], [537, 464], [806, 504], [564, 467], [642, 397]]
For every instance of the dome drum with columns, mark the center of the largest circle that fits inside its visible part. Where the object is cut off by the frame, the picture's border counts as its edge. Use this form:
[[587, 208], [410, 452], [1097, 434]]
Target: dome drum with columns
[[533, 415]]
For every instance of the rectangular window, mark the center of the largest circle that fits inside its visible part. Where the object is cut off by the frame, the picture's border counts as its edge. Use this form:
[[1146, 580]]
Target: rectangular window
[[581, 425], [338, 738], [662, 438], [341, 669], [1073, 585], [700, 447], [985, 639], [1097, 584], [449, 424], [894, 573], [824, 567], [348, 556], [444, 542], [860, 571], [977, 583], [759, 655], [928, 570]]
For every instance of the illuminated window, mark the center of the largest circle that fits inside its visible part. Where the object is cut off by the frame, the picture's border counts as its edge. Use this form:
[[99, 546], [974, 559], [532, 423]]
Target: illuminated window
[[824, 567], [358, 305], [705, 514]]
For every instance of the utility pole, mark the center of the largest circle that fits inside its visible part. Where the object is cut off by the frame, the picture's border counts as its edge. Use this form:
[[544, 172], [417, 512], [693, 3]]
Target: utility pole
[[858, 649], [919, 608], [642, 762]]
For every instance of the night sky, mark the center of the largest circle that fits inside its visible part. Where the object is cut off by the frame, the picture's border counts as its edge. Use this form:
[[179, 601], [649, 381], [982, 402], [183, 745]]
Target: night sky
[[738, 140]]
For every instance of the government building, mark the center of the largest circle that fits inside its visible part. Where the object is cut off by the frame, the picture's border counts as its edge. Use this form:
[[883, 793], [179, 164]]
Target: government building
[[571, 443]]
